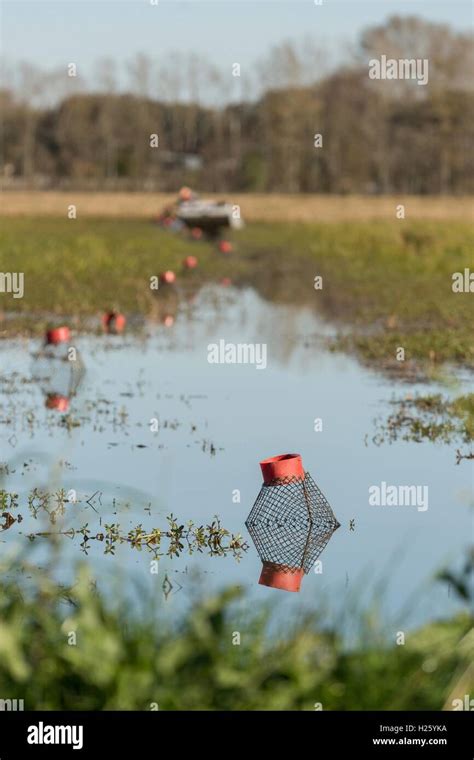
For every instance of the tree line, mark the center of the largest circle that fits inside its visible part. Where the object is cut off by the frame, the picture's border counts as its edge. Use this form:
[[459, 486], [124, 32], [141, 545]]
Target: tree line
[[304, 131]]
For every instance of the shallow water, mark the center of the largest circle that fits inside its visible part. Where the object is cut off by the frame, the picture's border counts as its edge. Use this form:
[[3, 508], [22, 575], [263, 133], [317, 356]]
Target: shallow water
[[216, 422]]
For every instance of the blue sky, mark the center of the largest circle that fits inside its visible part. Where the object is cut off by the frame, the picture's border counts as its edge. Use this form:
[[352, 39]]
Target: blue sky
[[55, 33]]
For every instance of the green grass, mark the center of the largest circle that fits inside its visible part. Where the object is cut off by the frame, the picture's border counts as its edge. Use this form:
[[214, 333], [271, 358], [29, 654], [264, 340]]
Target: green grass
[[78, 267], [121, 660], [390, 283]]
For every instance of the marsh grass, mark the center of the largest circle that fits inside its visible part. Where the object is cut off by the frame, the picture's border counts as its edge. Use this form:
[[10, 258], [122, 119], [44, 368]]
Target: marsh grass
[[255, 207], [386, 284]]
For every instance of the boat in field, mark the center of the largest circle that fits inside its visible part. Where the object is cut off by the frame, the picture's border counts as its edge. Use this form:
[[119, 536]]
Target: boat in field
[[207, 215]]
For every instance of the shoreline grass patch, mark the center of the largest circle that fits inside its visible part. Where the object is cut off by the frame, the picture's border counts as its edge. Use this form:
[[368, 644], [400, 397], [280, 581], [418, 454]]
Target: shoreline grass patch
[[386, 284]]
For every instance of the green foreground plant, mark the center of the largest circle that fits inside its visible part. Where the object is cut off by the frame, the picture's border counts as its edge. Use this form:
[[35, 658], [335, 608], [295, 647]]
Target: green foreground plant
[[66, 648]]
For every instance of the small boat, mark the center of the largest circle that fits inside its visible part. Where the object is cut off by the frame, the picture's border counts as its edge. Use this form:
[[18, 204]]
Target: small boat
[[207, 215]]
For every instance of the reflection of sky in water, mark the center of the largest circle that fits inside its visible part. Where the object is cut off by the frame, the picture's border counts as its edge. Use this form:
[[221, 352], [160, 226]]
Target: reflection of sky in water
[[247, 414]]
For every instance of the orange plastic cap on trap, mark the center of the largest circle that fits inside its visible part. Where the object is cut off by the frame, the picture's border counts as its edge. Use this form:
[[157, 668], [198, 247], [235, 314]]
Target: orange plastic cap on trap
[[58, 335], [281, 467], [281, 576]]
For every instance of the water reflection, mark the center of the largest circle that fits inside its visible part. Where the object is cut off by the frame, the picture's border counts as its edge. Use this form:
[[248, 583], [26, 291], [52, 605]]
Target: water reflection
[[171, 539], [58, 368]]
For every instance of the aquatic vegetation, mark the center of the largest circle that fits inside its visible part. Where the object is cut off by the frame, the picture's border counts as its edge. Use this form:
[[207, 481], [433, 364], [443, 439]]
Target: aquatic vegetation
[[213, 539], [429, 418], [20, 415], [171, 541]]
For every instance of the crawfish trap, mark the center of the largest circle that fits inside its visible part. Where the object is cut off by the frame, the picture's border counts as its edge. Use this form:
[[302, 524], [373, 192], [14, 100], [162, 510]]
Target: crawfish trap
[[290, 523]]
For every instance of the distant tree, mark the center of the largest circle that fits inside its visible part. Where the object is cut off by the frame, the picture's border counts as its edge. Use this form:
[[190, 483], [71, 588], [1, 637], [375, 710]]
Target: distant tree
[[106, 72], [450, 54], [257, 131]]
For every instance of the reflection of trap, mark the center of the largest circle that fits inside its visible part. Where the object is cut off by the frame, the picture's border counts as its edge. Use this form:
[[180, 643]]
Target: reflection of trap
[[58, 373], [290, 523]]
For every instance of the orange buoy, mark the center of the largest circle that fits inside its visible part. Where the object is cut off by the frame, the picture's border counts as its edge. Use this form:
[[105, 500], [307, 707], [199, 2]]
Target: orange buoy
[[57, 335], [168, 277], [225, 246], [114, 322]]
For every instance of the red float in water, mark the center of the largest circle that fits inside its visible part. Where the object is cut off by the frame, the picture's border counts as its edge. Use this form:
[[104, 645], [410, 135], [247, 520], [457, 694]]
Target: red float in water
[[196, 233], [226, 282], [114, 322], [57, 402], [58, 335]]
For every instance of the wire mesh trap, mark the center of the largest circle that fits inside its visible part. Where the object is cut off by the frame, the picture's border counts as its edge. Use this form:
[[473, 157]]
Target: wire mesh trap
[[290, 523]]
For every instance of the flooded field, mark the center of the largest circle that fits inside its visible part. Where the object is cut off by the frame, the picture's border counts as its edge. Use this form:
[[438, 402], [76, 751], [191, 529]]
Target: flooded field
[[156, 430]]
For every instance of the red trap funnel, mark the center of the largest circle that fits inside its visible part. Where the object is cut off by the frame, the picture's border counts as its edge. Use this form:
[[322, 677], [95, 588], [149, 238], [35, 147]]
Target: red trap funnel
[[290, 523]]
